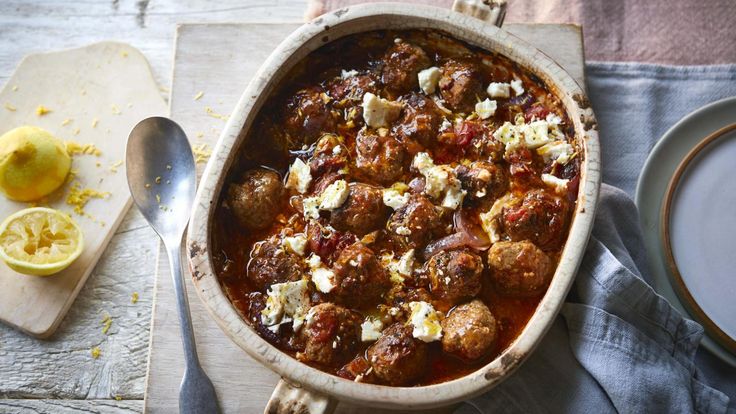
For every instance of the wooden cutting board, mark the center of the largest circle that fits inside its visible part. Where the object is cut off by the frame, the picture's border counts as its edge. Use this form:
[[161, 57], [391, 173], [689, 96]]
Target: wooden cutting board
[[218, 60], [95, 95]]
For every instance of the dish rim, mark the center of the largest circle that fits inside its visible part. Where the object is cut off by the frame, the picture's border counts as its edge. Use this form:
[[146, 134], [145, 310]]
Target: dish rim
[[387, 16]]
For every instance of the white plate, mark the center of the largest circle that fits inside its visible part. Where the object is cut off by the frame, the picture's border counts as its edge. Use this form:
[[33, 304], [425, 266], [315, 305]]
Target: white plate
[[658, 170]]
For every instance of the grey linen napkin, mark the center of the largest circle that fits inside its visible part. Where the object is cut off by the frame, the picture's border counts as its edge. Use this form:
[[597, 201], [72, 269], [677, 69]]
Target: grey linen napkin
[[617, 345]]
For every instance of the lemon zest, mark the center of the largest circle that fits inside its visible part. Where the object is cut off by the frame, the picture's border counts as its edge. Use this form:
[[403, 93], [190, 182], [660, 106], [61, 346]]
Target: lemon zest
[[75, 148], [95, 351], [10, 107], [106, 324], [198, 96], [79, 197], [211, 112], [134, 298], [202, 153], [42, 110]]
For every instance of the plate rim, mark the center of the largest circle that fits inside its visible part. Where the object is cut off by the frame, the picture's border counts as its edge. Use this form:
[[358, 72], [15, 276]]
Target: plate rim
[[678, 283]]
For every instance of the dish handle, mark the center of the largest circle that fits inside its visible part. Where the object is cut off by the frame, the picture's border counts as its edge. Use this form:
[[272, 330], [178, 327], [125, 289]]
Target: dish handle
[[290, 398], [492, 11]]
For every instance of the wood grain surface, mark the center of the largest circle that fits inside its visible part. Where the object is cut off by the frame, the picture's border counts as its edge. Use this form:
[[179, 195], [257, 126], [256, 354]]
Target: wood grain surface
[[45, 371], [95, 94], [222, 73]]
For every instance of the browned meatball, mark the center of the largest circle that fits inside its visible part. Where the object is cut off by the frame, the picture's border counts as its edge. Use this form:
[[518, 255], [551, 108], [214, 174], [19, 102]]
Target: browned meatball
[[401, 64], [360, 280], [461, 84], [362, 212], [326, 159], [350, 90], [417, 221], [270, 263], [469, 332], [525, 167], [419, 123], [519, 268], [380, 157], [398, 358], [327, 242], [540, 217], [454, 275], [308, 115], [483, 181], [331, 335], [256, 200]]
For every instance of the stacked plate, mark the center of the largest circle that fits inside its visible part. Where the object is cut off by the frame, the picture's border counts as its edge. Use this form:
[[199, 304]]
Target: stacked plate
[[686, 196]]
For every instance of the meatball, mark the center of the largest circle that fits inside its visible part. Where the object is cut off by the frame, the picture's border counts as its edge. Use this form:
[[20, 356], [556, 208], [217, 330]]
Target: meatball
[[379, 156], [360, 280], [350, 90], [469, 331], [329, 156], [419, 123], [519, 268], [256, 200], [540, 217], [308, 115], [398, 358], [454, 275], [331, 335], [525, 167], [270, 263], [401, 64], [461, 84], [326, 242], [483, 181], [418, 221], [362, 212]]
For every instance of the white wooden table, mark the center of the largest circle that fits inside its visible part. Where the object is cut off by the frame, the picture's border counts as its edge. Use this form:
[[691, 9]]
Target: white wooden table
[[59, 375]]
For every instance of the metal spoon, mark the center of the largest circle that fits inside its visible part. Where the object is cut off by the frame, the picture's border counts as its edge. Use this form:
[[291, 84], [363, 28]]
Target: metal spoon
[[162, 179]]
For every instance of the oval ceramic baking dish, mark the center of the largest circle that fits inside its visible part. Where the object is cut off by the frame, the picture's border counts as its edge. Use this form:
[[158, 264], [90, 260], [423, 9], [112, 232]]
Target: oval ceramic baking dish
[[312, 390]]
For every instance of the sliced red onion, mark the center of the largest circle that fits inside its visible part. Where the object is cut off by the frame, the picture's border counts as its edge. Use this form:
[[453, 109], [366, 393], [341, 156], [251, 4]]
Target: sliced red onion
[[467, 234], [475, 237]]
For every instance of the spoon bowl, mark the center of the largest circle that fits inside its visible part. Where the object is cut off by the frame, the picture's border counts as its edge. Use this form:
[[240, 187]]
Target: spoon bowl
[[162, 180], [161, 174]]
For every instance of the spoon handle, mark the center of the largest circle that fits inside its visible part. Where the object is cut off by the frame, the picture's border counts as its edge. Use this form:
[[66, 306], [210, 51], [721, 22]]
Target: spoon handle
[[182, 303], [196, 394]]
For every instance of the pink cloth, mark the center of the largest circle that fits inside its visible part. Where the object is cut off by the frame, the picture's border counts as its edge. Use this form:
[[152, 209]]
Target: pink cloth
[[680, 32]]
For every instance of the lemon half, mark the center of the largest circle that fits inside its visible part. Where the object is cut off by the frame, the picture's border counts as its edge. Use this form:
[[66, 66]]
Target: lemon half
[[40, 241], [33, 163]]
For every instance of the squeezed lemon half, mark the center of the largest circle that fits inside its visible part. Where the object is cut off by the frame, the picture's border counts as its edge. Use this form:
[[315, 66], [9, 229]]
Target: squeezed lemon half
[[40, 241], [33, 163]]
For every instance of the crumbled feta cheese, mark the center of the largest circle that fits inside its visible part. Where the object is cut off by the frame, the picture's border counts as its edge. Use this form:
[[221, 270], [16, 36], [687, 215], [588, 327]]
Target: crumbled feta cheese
[[499, 90], [314, 261], [428, 79], [286, 302], [532, 135], [557, 151], [324, 279], [370, 330], [535, 133], [403, 231], [489, 219], [310, 206], [485, 109], [296, 243], [559, 184], [299, 176], [553, 119], [348, 73], [454, 195], [334, 195], [337, 150], [446, 125], [517, 87], [439, 179], [406, 264], [394, 199], [425, 321], [379, 112]]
